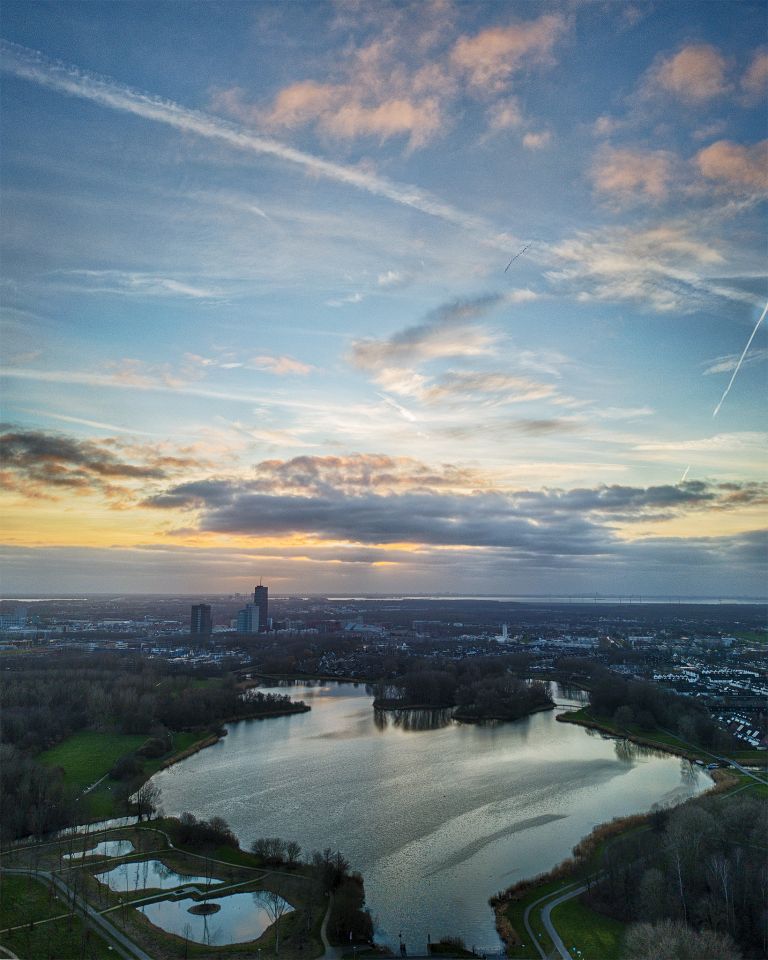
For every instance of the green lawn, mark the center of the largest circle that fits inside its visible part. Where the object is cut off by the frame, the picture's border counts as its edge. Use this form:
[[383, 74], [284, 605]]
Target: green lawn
[[587, 934], [515, 911], [65, 939], [88, 755]]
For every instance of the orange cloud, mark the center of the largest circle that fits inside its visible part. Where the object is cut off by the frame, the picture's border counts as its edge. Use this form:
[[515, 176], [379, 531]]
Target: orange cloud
[[695, 74], [632, 174], [755, 80], [735, 164], [401, 116], [493, 55], [280, 365], [537, 141]]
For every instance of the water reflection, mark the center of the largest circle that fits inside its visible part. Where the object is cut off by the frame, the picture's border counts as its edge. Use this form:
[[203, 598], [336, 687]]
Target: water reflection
[[417, 719], [630, 752], [107, 848], [148, 875], [436, 821], [242, 917]]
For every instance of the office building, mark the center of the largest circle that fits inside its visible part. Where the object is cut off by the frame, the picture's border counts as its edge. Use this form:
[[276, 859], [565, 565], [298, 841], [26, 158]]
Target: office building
[[248, 619], [200, 623], [261, 600]]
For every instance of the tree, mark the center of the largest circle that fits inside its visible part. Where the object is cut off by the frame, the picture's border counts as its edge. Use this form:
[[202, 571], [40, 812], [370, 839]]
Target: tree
[[293, 852], [275, 907], [672, 940], [146, 799]]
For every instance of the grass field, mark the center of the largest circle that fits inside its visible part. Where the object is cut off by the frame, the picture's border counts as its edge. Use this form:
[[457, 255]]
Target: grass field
[[23, 899], [89, 755], [514, 913], [587, 934]]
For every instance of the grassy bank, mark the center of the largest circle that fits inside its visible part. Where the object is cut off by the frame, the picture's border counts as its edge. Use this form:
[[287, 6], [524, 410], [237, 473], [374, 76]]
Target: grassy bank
[[30, 903], [597, 936], [87, 756], [658, 739], [587, 934]]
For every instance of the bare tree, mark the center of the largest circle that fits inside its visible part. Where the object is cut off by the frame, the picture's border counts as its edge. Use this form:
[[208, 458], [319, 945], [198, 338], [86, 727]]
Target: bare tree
[[672, 940], [146, 800], [276, 907]]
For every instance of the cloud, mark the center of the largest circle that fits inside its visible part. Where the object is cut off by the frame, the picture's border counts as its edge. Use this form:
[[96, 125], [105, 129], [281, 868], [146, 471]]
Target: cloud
[[406, 82], [735, 165], [132, 283], [343, 301], [728, 363], [695, 74], [338, 111], [466, 385], [40, 464], [33, 66], [755, 79], [377, 500], [505, 114], [537, 141], [447, 332], [281, 366], [664, 268], [491, 57], [719, 566], [628, 175], [391, 278]]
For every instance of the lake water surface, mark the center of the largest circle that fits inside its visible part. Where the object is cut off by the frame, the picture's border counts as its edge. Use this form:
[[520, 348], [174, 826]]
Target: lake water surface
[[436, 815]]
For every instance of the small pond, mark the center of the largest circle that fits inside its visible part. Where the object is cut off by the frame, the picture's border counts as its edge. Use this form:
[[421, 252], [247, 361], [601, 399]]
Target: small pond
[[147, 874], [107, 848], [243, 917]]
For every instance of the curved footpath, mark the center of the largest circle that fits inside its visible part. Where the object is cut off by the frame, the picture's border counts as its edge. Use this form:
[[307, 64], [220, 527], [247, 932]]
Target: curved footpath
[[549, 926], [116, 939], [547, 922]]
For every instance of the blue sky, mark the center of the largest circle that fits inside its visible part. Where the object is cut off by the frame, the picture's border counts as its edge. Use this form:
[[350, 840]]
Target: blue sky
[[257, 319]]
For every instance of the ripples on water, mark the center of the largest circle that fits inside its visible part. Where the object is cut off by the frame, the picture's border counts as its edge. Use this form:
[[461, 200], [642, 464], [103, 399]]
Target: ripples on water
[[436, 815]]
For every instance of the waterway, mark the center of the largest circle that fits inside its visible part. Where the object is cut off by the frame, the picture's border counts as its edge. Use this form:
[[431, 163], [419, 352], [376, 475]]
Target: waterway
[[436, 815]]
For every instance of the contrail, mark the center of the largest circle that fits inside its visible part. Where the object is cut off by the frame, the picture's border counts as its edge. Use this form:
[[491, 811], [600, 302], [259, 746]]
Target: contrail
[[32, 65], [518, 254], [741, 360], [685, 473]]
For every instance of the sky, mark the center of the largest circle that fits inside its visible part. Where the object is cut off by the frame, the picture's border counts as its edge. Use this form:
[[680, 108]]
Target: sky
[[383, 297]]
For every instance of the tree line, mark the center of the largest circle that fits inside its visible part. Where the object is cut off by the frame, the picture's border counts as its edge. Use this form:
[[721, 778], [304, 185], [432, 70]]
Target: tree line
[[50, 696], [479, 687], [701, 866], [630, 702]]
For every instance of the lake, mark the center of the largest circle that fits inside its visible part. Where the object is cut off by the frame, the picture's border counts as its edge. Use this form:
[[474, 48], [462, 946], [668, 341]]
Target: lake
[[436, 815]]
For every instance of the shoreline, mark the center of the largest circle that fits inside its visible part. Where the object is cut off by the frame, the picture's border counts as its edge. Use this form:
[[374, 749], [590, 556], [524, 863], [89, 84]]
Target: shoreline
[[570, 867], [468, 718], [590, 724], [213, 738], [397, 707]]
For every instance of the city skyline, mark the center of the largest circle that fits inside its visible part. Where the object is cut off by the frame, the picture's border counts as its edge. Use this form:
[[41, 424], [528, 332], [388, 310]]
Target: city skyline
[[384, 298]]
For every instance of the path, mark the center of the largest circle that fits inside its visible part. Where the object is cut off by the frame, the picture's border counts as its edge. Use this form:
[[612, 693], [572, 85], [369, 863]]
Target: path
[[330, 951], [726, 760], [526, 919], [122, 945], [549, 926]]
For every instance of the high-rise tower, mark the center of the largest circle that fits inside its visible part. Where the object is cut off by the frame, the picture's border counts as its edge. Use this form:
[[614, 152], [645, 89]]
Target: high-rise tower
[[201, 624], [261, 600]]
